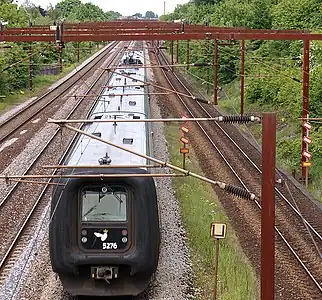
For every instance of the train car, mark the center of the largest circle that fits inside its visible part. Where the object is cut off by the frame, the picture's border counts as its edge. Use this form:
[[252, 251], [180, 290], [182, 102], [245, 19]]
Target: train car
[[104, 234]]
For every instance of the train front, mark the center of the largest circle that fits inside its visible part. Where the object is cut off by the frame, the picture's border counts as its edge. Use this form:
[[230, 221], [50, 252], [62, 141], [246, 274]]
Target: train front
[[104, 234]]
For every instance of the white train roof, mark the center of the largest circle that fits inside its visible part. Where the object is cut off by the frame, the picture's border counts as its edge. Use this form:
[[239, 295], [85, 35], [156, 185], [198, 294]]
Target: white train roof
[[115, 103]]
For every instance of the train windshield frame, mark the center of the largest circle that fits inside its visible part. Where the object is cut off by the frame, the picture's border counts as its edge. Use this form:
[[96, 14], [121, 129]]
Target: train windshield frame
[[104, 203]]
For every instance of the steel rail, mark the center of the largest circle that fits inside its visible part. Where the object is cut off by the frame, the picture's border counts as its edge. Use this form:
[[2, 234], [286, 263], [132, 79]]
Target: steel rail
[[28, 218], [315, 281], [255, 166], [49, 141], [74, 78]]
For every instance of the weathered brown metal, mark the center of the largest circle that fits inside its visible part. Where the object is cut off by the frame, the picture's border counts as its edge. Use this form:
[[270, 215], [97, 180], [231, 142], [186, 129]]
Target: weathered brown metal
[[215, 72], [100, 166], [208, 61], [177, 52], [216, 269], [242, 77], [305, 101], [60, 49], [188, 55], [150, 158], [171, 51], [78, 51], [268, 206], [30, 66], [137, 35], [12, 177], [217, 119]]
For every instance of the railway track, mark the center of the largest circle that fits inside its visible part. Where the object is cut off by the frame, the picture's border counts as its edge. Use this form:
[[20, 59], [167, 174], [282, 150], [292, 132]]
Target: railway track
[[16, 236], [19, 127], [243, 161]]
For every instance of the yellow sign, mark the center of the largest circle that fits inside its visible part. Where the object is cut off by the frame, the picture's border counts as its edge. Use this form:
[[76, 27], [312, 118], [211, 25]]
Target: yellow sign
[[184, 150], [184, 140], [218, 230], [184, 129], [306, 164]]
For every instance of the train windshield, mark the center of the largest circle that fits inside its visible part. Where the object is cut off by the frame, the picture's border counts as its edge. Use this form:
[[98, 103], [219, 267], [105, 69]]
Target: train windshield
[[104, 204]]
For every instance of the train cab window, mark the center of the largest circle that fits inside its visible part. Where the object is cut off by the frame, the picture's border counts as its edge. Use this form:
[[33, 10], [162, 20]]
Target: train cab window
[[136, 117], [98, 117], [104, 204]]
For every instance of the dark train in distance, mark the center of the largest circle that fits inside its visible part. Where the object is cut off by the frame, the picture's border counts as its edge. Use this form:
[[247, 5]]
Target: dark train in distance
[[104, 235]]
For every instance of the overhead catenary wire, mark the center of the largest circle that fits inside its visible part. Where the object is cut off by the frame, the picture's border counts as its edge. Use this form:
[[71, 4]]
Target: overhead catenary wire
[[163, 88], [234, 190]]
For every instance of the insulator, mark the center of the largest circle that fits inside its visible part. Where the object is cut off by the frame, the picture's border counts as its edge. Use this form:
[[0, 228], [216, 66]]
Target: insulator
[[239, 192], [236, 119], [201, 100]]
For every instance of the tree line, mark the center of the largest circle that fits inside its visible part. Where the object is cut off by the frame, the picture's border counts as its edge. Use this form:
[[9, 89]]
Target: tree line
[[273, 68]]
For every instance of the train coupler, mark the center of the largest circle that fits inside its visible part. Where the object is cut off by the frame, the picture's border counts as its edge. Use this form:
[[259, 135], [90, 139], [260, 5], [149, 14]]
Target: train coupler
[[105, 273]]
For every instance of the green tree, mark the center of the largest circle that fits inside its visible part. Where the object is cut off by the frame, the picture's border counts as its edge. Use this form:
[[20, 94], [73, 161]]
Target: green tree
[[14, 15], [150, 15], [65, 7], [112, 15], [137, 15], [297, 14], [86, 12]]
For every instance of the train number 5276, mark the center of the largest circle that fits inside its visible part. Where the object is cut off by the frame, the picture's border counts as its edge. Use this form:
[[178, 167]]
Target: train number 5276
[[109, 246]]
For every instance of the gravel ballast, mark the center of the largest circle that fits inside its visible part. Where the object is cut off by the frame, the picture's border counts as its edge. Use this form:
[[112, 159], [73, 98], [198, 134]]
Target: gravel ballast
[[173, 277]]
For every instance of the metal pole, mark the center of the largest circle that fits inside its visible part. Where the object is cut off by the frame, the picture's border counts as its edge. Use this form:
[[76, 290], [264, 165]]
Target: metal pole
[[305, 109], [164, 7], [78, 51], [216, 269], [30, 62], [30, 66], [306, 159], [242, 77], [171, 50], [208, 68], [60, 58], [215, 71], [268, 206], [188, 55], [177, 61]]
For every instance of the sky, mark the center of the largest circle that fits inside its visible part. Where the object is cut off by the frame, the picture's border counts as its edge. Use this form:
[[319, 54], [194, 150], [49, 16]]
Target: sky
[[125, 7]]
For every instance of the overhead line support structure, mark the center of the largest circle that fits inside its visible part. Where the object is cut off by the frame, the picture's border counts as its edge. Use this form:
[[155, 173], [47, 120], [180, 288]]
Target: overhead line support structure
[[305, 105]]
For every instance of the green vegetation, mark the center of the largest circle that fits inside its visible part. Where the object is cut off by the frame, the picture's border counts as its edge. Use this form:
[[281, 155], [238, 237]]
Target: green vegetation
[[273, 69], [14, 61], [40, 83], [200, 207]]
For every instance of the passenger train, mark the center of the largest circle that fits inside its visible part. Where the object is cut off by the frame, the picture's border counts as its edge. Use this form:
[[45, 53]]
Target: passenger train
[[104, 234]]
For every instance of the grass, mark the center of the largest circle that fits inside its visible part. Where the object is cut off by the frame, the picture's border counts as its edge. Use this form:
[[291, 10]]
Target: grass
[[288, 128], [40, 83], [200, 207]]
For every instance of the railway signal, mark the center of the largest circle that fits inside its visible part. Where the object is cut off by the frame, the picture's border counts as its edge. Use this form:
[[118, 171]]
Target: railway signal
[[184, 150], [306, 155], [307, 140]]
